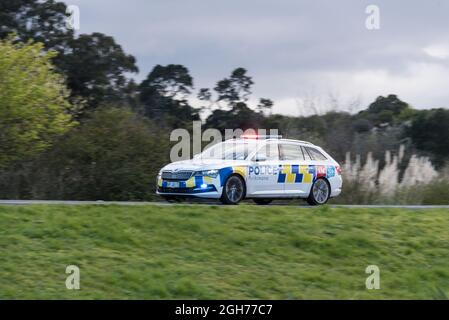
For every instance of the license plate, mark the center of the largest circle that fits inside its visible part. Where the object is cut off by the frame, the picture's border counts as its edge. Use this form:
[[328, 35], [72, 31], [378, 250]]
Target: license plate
[[172, 184]]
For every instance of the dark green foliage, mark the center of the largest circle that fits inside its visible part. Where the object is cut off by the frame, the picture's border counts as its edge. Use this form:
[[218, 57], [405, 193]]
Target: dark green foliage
[[113, 155], [234, 92], [362, 125], [429, 132], [41, 21], [95, 67], [265, 105], [386, 111], [235, 88], [172, 80], [239, 117], [163, 95]]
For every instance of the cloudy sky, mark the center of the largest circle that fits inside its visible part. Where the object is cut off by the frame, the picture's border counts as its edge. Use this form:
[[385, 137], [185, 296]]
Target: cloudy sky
[[299, 52]]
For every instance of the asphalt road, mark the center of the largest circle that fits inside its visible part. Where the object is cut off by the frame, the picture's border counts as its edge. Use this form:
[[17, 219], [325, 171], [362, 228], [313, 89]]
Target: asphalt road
[[135, 203]]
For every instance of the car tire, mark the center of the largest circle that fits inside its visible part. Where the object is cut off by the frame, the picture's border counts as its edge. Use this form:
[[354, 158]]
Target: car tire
[[262, 202], [234, 190], [319, 193]]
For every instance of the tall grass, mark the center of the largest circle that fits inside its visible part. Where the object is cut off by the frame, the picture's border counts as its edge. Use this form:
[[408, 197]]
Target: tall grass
[[418, 182]]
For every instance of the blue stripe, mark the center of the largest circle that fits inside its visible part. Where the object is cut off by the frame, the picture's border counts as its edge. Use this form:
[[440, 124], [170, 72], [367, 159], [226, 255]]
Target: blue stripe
[[299, 177], [224, 174], [312, 171], [198, 181], [281, 178], [330, 172]]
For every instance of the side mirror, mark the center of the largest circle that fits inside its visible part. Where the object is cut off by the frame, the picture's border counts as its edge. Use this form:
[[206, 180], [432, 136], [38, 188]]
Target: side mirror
[[260, 158]]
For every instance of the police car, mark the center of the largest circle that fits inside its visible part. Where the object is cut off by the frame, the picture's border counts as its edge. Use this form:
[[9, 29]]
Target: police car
[[254, 167]]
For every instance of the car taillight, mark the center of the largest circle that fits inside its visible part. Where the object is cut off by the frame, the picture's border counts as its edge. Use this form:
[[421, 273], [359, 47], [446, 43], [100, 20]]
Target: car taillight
[[338, 170]]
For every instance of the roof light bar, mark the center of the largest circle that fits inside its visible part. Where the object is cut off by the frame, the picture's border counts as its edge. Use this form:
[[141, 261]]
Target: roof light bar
[[260, 136]]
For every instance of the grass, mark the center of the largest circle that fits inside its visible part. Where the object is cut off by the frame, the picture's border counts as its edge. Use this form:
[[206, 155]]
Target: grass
[[217, 252]]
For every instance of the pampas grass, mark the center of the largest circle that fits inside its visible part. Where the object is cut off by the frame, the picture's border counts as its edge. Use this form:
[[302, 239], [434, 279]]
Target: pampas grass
[[368, 183]]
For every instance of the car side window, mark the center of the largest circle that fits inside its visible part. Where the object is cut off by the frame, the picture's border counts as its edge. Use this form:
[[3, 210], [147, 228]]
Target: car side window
[[291, 152], [315, 154], [270, 152]]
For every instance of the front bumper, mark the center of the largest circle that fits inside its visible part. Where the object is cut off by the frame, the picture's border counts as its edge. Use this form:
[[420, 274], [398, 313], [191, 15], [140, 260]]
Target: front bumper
[[202, 187], [199, 186], [208, 191]]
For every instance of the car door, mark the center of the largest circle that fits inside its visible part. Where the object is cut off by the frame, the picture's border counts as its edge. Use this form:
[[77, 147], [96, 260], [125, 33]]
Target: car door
[[296, 175], [263, 172], [319, 162]]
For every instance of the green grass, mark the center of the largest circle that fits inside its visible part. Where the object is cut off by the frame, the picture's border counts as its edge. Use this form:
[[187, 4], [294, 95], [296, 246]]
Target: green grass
[[217, 252]]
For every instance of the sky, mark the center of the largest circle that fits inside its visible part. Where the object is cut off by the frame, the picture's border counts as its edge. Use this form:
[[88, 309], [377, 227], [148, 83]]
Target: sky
[[307, 56]]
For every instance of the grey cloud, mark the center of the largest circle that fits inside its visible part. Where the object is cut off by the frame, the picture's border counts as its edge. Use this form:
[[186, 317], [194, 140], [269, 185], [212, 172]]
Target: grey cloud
[[288, 46]]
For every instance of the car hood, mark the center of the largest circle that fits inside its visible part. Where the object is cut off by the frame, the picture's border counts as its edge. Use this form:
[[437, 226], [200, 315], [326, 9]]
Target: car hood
[[203, 164]]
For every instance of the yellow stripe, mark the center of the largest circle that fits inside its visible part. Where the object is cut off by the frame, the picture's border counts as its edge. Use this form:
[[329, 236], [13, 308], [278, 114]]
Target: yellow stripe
[[290, 178], [307, 177], [191, 182], [240, 170], [208, 180]]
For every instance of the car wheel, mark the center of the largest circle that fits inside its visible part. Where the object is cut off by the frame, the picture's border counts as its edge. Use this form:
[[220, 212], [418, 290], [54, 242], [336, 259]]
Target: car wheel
[[262, 202], [320, 192], [233, 190]]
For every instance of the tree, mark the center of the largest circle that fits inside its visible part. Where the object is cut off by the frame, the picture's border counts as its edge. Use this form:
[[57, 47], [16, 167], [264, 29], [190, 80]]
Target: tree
[[235, 88], [429, 131], [265, 105], [113, 155], [33, 101], [95, 67], [387, 110], [41, 21], [240, 117], [163, 95], [205, 95], [235, 91], [173, 81]]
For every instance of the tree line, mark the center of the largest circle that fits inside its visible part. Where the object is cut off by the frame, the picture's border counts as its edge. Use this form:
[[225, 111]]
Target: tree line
[[73, 125]]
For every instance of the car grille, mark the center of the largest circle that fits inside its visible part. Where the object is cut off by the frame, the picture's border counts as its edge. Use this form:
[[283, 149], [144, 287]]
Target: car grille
[[177, 175], [185, 190]]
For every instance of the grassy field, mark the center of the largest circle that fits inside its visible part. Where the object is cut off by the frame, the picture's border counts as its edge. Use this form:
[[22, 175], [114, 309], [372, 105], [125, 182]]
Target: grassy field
[[217, 252]]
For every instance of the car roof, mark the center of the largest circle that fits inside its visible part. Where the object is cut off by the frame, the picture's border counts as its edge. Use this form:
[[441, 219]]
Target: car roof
[[275, 140], [292, 140]]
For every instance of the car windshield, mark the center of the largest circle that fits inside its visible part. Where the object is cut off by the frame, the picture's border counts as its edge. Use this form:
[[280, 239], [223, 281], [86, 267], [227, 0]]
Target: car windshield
[[235, 150]]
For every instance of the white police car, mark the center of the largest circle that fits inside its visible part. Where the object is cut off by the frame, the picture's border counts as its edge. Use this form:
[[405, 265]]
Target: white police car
[[254, 167]]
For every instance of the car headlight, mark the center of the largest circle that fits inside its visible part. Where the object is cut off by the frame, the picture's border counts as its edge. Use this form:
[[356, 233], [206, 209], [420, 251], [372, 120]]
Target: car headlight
[[207, 173]]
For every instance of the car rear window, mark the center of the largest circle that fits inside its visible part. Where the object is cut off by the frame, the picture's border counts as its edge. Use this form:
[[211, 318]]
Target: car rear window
[[315, 154], [306, 154]]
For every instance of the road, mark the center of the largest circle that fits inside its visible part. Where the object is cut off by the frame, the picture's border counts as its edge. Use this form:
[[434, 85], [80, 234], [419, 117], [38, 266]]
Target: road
[[135, 203]]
